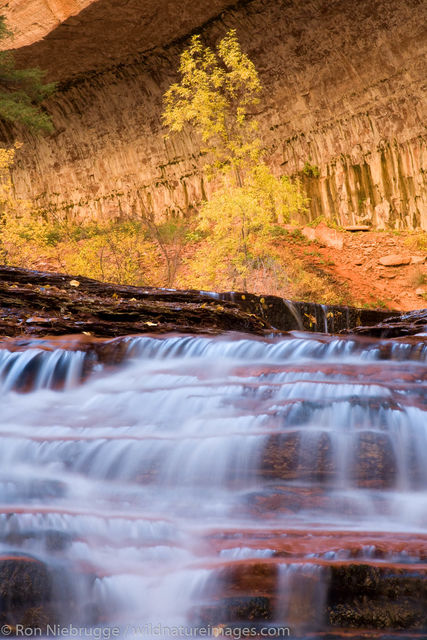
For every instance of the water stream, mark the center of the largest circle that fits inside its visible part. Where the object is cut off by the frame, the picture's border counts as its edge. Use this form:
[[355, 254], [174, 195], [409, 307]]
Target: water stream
[[156, 483]]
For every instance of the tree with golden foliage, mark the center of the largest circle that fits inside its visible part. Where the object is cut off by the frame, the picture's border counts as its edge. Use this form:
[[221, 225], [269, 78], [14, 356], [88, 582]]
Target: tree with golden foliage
[[216, 95]]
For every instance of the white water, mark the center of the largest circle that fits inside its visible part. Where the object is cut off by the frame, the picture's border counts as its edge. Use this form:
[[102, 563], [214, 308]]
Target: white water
[[132, 471]]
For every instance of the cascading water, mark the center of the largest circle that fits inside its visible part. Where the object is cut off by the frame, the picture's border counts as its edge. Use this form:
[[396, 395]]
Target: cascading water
[[164, 485]]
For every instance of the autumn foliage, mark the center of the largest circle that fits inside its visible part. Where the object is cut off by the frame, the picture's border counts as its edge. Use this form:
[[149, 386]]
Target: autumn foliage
[[231, 238], [216, 96]]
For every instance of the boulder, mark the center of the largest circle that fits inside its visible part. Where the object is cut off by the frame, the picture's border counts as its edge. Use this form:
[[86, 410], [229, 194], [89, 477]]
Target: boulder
[[309, 233], [325, 235], [394, 260]]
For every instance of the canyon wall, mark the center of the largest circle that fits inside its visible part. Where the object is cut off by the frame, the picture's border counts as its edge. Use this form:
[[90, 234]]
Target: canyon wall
[[344, 102], [31, 21]]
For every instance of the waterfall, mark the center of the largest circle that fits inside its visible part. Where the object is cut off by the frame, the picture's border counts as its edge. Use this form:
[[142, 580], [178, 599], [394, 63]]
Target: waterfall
[[40, 369], [215, 481], [301, 595]]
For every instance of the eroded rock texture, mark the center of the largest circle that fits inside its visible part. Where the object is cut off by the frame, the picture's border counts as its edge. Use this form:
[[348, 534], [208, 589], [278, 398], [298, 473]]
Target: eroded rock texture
[[344, 88]]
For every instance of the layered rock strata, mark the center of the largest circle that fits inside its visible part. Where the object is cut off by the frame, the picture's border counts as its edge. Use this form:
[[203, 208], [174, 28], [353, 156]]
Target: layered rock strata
[[343, 104]]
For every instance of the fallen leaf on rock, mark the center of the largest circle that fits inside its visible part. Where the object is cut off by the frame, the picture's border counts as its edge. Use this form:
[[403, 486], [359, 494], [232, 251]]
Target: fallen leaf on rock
[[74, 283], [311, 318]]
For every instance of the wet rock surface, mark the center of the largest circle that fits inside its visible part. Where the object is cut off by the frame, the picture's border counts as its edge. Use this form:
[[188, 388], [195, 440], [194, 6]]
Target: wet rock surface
[[374, 464], [35, 593], [311, 457], [376, 597], [291, 456], [41, 303], [406, 324], [369, 597], [26, 592], [245, 609], [287, 315]]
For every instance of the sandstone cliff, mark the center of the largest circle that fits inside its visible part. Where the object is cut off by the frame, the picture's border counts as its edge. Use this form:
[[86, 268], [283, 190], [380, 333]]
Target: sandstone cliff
[[344, 96]]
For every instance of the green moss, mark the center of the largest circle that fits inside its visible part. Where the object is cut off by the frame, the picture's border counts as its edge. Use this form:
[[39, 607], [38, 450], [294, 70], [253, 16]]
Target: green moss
[[311, 170]]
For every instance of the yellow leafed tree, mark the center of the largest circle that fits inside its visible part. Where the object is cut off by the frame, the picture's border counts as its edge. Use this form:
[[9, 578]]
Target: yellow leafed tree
[[108, 250], [21, 232], [216, 95]]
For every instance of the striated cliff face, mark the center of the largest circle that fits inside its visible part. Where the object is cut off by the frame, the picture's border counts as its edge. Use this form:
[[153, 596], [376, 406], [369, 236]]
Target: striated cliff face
[[31, 21], [344, 82]]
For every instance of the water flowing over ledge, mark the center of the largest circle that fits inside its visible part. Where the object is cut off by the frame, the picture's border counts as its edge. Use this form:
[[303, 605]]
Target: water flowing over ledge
[[207, 481], [28, 364]]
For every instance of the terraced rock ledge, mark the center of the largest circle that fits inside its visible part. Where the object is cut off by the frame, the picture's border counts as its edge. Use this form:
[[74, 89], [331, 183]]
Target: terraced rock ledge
[[41, 303]]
